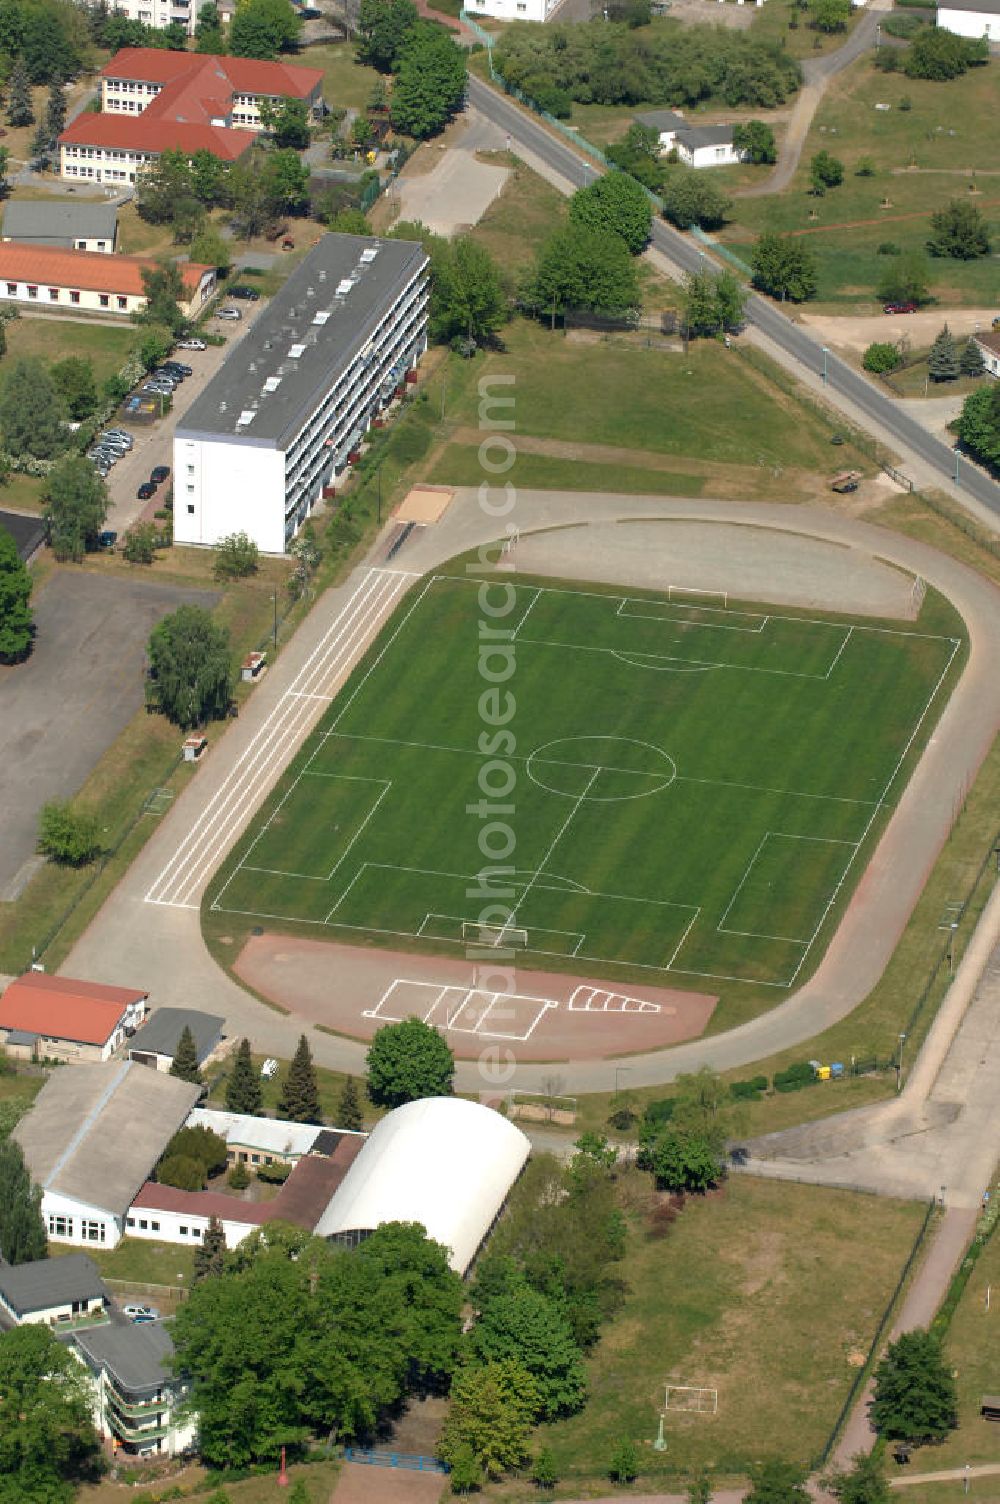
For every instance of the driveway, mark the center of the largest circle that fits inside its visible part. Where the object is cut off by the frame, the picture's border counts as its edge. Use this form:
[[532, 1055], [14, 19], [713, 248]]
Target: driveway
[[855, 332], [62, 709], [154, 442], [458, 190]]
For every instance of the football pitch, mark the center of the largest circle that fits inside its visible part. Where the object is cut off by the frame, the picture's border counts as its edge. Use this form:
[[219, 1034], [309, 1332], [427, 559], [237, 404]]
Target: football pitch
[[690, 787]]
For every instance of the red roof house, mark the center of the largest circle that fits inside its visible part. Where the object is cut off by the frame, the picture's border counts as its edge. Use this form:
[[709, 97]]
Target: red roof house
[[88, 279], [62, 1019]]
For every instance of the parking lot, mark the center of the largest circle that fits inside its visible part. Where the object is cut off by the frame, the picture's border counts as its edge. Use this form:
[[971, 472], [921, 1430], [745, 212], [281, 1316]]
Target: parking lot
[[154, 442], [63, 707]]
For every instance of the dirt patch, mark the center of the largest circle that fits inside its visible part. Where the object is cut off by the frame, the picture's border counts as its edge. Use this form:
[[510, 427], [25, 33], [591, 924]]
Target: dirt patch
[[358, 1484], [536, 1015]]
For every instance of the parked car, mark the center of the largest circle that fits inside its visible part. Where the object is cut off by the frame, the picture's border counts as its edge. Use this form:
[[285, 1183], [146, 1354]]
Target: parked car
[[229, 313], [159, 388], [145, 491], [177, 367], [191, 344], [107, 540], [111, 441], [165, 377], [104, 456], [121, 433], [899, 308], [102, 468], [134, 1312], [159, 474], [248, 294], [123, 441]]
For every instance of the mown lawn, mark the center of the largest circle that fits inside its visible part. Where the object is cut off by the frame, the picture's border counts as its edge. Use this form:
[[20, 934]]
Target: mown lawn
[[140, 1261], [50, 339], [460, 465], [769, 1293], [517, 224], [347, 84], [973, 1349], [944, 144], [705, 403]]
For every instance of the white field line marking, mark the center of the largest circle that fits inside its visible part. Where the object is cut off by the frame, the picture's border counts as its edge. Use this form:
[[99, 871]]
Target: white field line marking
[[677, 948], [812, 621], [686, 621], [285, 744], [247, 866], [359, 687], [531, 605], [300, 694], [778, 835], [833, 665], [653, 660], [263, 740], [270, 748], [544, 1005], [956, 644], [557, 838]]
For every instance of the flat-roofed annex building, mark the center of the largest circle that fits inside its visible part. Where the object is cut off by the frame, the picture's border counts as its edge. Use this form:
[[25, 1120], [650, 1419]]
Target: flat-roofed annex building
[[298, 392]]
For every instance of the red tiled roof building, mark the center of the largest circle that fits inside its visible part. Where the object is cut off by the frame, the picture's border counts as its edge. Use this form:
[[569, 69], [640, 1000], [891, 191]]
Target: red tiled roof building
[[154, 101]]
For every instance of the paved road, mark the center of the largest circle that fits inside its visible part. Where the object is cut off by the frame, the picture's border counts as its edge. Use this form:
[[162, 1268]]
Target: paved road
[[817, 73], [796, 345]]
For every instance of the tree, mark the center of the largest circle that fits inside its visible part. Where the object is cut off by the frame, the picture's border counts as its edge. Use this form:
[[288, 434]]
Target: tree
[[939, 55], [865, 1483], [904, 280], [73, 379], [429, 87], [31, 413], [942, 361], [66, 835], [830, 15], [415, 1272], [689, 198], [47, 1440], [287, 180], [959, 231], [349, 1114], [263, 29], [185, 1062], [881, 357], [55, 112], [777, 1482], [407, 1061], [825, 172], [208, 29], [19, 110], [624, 1464], [182, 1172], [244, 1092], [209, 248], [236, 556], [154, 348], [970, 361], [703, 1105], [383, 27], [521, 1324], [140, 543], [639, 155], [784, 268], [614, 204], [712, 301], [577, 268], [544, 1473], [22, 1230], [700, 1490], [190, 668], [288, 123], [202, 1147], [76, 506], [210, 1255], [680, 1161], [915, 1397], [299, 1101], [4, 190], [16, 621], [163, 288], [468, 300], [979, 425], [492, 1410], [755, 140]]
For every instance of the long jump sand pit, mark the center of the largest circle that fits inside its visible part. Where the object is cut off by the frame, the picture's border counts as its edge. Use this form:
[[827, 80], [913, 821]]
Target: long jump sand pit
[[537, 1015]]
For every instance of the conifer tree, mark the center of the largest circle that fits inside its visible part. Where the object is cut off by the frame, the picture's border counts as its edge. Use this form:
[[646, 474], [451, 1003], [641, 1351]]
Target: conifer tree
[[185, 1061], [349, 1114], [942, 362], [19, 111], [971, 361], [209, 1258], [300, 1095], [22, 1231], [243, 1089]]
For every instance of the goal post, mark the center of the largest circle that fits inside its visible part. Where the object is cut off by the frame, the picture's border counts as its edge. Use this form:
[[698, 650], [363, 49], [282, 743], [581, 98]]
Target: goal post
[[689, 596], [499, 936], [693, 1398]]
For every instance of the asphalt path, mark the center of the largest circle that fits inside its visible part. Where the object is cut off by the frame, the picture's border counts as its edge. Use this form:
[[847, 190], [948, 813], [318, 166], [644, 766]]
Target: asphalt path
[[838, 377]]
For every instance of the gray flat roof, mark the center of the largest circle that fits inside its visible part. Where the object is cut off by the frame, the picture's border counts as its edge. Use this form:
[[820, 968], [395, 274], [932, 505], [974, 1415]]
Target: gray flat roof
[[662, 120], [95, 1132], [56, 220], [161, 1033], [28, 533], [50, 1282], [705, 135], [984, 7], [137, 1356], [292, 322]]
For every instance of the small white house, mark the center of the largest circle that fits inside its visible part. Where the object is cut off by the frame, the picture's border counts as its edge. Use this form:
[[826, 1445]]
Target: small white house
[[514, 10], [695, 145], [989, 348], [971, 18], [53, 1292]]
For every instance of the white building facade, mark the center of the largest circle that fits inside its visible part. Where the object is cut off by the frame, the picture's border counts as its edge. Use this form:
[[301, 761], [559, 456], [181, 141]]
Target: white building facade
[[971, 18], [294, 399], [515, 10]]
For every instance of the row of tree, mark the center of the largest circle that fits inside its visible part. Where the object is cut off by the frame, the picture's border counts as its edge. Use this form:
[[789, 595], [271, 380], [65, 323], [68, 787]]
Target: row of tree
[[428, 67]]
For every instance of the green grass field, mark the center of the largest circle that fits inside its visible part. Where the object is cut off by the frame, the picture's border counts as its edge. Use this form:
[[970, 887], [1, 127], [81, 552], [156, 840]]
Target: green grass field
[[689, 791]]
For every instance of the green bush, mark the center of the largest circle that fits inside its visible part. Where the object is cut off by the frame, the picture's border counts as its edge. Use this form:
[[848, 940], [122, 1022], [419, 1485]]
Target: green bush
[[902, 26], [881, 357], [659, 1112], [274, 1174], [748, 1091], [238, 1177], [794, 1077], [887, 248]]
